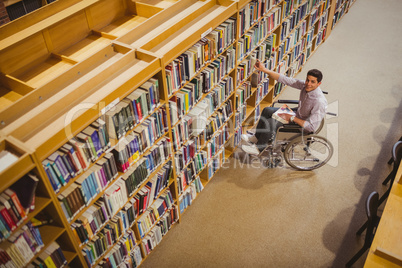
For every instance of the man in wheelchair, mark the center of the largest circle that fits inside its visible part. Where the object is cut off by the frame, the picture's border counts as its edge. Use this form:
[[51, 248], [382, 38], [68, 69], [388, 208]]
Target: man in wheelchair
[[310, 112]]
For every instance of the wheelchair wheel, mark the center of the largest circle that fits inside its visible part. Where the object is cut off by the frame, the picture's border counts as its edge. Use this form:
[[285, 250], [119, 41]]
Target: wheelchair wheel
[[308, 152]]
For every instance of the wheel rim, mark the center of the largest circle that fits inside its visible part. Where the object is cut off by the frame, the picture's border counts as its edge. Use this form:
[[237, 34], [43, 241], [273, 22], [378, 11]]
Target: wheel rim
[[308, 153]]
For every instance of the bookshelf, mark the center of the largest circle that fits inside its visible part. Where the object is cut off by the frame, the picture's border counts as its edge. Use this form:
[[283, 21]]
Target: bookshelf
[[26, 163], [169, 82]]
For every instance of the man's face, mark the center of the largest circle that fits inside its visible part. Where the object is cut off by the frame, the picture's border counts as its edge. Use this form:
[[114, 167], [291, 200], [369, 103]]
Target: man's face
[[311, 83]]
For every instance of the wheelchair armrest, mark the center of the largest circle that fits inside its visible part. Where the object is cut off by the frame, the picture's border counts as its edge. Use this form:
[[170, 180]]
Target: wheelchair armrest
[[294, 128], [286, 101]]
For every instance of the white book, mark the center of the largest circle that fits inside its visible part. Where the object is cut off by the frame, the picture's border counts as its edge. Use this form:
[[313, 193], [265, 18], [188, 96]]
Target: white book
[[283, 110], [7, 159]]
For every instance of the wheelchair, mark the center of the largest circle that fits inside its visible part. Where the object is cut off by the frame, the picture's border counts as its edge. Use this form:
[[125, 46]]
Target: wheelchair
[[300, 150]]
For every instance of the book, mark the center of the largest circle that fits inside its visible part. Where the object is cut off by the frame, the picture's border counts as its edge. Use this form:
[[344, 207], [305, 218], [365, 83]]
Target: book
[[25, 189], [283, 110], [7, 159]]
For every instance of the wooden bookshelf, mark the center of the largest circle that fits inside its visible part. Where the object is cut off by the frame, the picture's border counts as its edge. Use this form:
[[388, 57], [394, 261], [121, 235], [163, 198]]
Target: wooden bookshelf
[[64, 65]]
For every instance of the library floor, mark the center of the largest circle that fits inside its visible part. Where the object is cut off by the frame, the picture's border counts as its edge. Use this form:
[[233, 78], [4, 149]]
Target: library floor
[[250, 216]]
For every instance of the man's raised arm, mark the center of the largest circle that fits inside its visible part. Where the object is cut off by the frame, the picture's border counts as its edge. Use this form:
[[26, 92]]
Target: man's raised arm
[[260, 67]]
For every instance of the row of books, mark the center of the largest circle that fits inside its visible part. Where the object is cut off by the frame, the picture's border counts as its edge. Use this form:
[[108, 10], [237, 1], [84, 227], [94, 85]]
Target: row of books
[[293, 21], [90, 222], [128, 151], [200, 116], [118, 194], [210, 78], [78, 154], [322, 21], [153, 188], [190, 94], [289, 58], [298, 63], [217, 142], [257, 113], [216, 122], [340, 11], [278, 88], [318, 10], [163, 205], [258, 33], [252, 12], [288, 7], [189, 153], [96, 218], [292, 39], [216, 97], [216, 163], [289, 50], [185, 67], [240, 115], [124, 254], [154, 237], [15, 204], [132, 109], [22, 246], [320, 37], [244, 70], [94, 250], [223, 36], [190, 172], [237, 137], [81, 193], [242, 94], [185, 154], [299, 48], [190, 193], [109, 234], [262, 91], [53, 256]]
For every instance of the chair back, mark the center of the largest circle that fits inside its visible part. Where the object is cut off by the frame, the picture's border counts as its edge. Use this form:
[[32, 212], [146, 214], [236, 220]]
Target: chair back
[[371, 211], [397, 154]]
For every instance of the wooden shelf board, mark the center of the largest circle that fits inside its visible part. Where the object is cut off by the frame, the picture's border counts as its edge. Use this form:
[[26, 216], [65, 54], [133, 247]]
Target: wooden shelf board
[[137, 39], [192, 29], [16, 171], [159, 3], [123, 25], [9, 94], [43, 24], [99, 94], [8, 97], [44, 72], [69, 255], [50, 233], [86, 47]]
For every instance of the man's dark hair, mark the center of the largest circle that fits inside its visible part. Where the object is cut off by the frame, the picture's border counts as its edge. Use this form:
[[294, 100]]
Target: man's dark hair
[[316, 73]]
